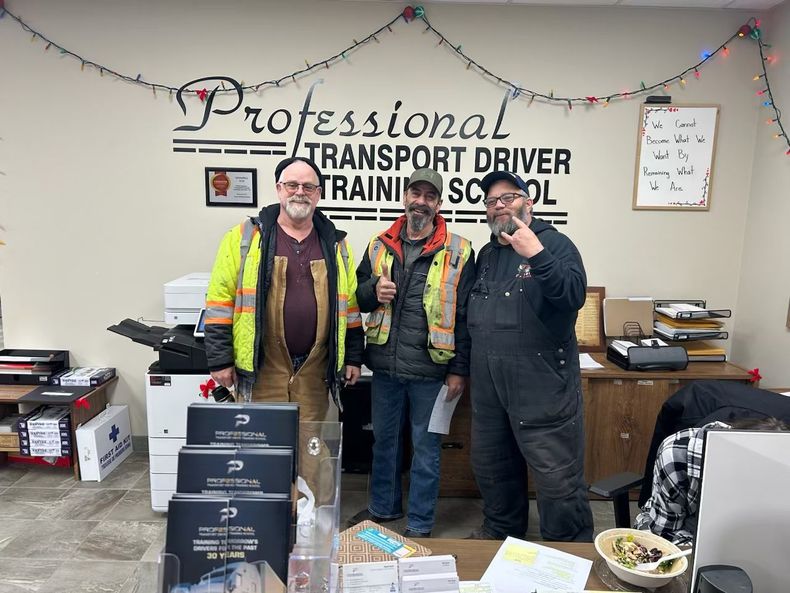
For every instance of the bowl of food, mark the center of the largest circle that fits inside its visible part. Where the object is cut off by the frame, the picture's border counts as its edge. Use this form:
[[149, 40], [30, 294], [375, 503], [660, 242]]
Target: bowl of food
[[623, 549]]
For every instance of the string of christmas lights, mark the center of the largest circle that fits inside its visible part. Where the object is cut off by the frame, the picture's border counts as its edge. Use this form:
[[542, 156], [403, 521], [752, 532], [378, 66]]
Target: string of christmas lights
[[409, 14], [769, 98]]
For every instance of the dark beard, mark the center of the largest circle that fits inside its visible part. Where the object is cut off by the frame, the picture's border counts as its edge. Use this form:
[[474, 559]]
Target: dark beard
[[509, 227]]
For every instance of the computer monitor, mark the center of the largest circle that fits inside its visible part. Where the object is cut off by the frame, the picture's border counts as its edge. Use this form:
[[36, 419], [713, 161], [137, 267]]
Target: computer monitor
[[200, 326], [744, 512]]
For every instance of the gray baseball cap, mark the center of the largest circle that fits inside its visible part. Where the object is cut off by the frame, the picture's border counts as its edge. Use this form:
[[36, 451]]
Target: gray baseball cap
[[427, 175]]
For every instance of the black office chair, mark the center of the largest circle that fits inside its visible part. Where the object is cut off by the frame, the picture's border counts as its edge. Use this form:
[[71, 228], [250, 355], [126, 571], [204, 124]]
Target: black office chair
[[696, 404]]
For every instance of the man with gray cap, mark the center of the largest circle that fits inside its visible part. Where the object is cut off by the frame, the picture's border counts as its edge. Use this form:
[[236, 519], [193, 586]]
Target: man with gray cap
[[526, 384], [414, 280]]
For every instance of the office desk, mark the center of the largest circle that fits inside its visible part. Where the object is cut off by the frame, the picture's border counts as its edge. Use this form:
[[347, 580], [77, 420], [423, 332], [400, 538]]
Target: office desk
[[9, 399], [474, 556], [620, 409]]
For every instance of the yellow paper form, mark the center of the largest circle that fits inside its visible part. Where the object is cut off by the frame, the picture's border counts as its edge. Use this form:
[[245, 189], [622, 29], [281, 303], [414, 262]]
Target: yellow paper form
[[521, 555]]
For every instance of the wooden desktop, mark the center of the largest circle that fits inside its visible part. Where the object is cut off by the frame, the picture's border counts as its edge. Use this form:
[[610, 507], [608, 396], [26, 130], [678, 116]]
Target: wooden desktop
[[620, 409]]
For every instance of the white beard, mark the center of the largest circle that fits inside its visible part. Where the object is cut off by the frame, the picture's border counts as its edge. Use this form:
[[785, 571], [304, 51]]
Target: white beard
[[298, 210]]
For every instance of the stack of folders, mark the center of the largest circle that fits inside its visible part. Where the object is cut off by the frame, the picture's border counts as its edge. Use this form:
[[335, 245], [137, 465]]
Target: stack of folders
[[234, 505], [687, 324]]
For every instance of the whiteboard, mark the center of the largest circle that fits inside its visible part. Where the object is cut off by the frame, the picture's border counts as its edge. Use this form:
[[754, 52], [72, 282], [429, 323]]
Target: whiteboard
[[744, 513], [675, 149]]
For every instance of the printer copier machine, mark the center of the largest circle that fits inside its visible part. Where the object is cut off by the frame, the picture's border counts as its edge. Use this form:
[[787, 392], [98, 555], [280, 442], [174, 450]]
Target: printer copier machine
[[173, 381]]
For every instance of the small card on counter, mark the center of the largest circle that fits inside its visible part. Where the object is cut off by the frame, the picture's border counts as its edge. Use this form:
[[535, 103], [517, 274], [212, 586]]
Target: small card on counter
[[385, 543], [436, 583], [370, 577], [427, 565]]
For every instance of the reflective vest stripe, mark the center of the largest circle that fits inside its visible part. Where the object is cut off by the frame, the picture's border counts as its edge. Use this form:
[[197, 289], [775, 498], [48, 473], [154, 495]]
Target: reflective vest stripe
[[218, 321], [443, 333], [245, 297], [219, 304], [350, 314]]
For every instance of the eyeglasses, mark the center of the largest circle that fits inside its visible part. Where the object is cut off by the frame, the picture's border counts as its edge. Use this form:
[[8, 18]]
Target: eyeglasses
[[307, 188], [506, 199]]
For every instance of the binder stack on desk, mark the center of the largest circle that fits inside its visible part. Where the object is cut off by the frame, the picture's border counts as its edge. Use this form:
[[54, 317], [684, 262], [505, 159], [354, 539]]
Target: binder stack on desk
[[690, 324]]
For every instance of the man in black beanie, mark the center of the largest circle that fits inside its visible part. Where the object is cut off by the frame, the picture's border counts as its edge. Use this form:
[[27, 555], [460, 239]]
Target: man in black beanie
[[282, 320]]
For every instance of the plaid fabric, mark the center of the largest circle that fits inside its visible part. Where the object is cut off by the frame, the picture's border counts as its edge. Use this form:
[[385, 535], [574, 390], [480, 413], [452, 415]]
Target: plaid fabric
[[671, 511]]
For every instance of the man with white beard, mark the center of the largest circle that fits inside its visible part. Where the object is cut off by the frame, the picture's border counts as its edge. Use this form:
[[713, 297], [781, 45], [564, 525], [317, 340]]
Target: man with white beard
[[282, 320], [414, 279], [525, 380]]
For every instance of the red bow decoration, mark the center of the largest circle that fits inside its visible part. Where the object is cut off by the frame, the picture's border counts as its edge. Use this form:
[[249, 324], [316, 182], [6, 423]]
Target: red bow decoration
[[207, 387], [592, 99], [756, 376], [202, 94], [82, 403]]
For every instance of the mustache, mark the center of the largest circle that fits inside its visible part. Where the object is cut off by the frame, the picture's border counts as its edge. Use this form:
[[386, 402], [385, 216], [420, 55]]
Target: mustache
[[298, 200], [420, 209]]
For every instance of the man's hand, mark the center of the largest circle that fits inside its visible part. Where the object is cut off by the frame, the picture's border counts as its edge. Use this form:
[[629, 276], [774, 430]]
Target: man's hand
[[385, 288], [352, 374], [455, 386], [225, 377], [524, 241]]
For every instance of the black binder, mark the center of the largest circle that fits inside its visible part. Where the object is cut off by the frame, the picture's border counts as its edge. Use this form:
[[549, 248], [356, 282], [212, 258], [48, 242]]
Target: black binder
[[650, 358]]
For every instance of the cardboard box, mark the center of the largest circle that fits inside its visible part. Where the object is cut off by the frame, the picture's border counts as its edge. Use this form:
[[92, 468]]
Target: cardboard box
[[104, 442]]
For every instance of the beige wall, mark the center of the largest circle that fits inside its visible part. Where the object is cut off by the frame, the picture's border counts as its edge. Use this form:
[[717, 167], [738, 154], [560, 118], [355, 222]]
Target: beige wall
[[762, 338], [99, 212]]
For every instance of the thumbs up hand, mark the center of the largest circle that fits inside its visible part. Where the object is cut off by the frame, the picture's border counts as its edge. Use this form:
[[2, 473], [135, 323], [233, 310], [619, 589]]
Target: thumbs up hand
[[385, 288]]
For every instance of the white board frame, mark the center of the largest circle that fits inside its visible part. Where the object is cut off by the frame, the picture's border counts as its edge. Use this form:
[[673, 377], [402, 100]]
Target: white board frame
[[744, 516], [638, 204]]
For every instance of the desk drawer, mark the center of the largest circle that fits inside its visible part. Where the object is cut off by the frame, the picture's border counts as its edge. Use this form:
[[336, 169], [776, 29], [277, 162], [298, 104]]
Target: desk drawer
[[160, 498], [163, 464], [162, 446], [163, 482]]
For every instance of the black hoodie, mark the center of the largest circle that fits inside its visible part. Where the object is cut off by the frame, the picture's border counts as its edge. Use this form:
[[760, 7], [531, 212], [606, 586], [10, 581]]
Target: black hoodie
[[560, 285]]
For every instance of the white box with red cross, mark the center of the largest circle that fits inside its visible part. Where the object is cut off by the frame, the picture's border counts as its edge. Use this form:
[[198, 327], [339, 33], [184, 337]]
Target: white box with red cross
[[104, 442]]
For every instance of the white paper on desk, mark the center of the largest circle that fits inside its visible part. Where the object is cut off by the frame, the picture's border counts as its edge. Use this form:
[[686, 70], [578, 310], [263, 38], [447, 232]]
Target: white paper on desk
[[442, 413], [521, 566], [588, 362]]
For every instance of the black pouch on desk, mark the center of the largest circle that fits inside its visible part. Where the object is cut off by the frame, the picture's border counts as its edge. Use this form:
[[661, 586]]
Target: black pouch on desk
[[650, 358]]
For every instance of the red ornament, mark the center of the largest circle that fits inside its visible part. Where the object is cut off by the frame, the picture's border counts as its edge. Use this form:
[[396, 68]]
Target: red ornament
[[744, 30], [592, 99], [756, 376], [202, 94], [408, 14], [207, 387]]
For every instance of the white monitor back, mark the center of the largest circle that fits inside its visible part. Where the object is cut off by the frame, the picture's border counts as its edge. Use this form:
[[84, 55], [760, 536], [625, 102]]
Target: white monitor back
[[744, 514]]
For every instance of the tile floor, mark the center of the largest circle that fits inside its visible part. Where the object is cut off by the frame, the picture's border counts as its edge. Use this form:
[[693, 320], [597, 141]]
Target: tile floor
[[62, 536]]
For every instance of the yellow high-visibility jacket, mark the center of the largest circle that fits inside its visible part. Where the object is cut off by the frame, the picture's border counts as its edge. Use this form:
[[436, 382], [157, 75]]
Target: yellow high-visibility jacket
[[235, 302]]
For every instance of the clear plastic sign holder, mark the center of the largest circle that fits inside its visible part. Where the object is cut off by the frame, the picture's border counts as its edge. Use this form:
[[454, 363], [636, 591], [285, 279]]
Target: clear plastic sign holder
[[315, 533], [318, 516]]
